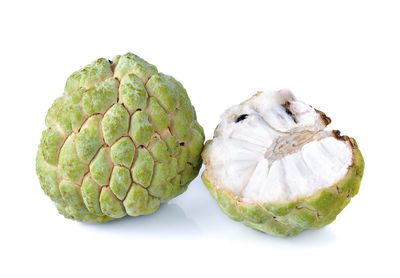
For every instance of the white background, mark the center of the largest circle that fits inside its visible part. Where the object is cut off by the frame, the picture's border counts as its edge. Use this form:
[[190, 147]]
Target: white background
[[342, 57]]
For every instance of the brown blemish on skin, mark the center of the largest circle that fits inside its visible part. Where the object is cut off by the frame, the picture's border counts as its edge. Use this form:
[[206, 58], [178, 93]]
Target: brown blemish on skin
[[325, 119], [336, 134]]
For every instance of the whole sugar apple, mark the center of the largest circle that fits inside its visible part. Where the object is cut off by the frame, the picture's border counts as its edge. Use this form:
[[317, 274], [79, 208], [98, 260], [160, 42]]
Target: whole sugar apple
[[122, 139], [273, 166]]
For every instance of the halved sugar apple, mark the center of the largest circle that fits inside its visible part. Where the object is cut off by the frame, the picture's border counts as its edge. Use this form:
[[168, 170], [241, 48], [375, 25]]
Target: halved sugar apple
[[273, 166], [122, 139]]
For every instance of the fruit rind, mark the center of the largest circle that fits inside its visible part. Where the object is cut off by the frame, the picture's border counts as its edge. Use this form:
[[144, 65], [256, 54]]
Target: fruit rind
[[286, 220], [274, 167], [112, 129]]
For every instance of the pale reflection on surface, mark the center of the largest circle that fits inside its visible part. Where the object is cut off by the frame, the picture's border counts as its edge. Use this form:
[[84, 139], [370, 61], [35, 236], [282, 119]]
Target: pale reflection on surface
[[169, 221], [195, 214]]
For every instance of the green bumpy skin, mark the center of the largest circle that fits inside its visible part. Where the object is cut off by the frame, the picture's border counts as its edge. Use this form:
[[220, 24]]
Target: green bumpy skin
[[289, 219], [121, 140]]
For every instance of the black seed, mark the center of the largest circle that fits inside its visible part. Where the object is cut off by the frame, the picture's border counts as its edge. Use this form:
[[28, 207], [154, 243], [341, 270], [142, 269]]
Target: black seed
[[287, 109], [110, 61], [242, 117]]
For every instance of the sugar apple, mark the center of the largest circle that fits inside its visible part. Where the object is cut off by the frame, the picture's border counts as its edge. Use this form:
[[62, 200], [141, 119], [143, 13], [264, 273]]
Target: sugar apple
[[273, 166], [122, 139]]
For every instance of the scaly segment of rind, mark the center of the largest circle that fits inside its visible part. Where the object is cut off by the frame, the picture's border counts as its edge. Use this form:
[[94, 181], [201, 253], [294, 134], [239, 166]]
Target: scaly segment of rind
[[48, 178], [100, 167], [161, 185], [100, 97], [141, 129], [115, 123], [88, 76], [70, 117], [139, 202], [69, 164], [123, 152], [71, 195], [110, 205], [132, 93], [98, 132], [195, 146], [50, 144], [142, 170], [159, 150], [131, 63], [51, 115], [69, 213], [167, 90], [157, 115], [288, 219], [90, 195], [120, 181], [89, 139]]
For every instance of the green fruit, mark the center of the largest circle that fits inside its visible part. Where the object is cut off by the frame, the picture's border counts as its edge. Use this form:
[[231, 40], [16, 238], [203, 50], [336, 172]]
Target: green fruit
[[274, 167], [122, 139]]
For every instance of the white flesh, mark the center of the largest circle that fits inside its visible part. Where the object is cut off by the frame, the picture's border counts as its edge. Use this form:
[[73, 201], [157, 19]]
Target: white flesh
[[278, 154]]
